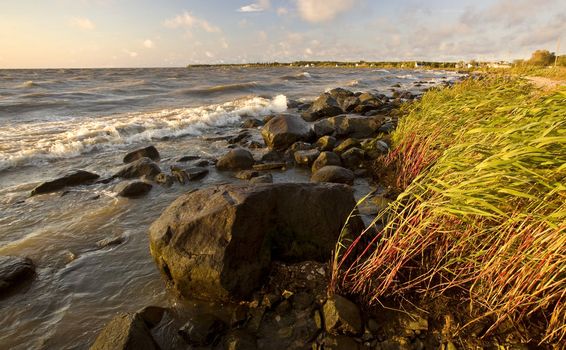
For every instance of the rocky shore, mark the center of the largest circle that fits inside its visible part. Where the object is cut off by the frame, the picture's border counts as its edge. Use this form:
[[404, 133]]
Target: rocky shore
[[260, 251]]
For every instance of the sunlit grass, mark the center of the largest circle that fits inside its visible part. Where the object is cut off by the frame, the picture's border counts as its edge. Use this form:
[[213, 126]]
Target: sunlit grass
[[482, 213]]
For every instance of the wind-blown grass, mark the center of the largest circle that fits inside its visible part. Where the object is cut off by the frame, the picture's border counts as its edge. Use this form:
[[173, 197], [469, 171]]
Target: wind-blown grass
[[482, 213]]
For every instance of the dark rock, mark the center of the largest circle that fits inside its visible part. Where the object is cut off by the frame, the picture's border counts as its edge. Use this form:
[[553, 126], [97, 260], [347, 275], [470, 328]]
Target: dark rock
[[375, 149], [306, 158], [346, 145], [269, 166], [353, 158], [203, 242], [341, 316], [252, 123], [148, 152], [334, 174], [240, 340], [324, 159], [133, 189], [386, 128], [348, 126], [326, 143], [239, 316], [237, 159], [350, 103], [324, 127], [367, 103], [300, 146], [14, 271], [203, 330], [272, 156], [246, 174], [76, 178], [189, 174], [125, 332], [323, 107], [284, 130], [202, 163], [263, 179], [187, 158], [340, 342], [138, 168], [107, 242]]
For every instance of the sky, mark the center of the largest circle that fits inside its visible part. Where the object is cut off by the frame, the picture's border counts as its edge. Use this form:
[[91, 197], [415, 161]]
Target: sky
[[149, 33]]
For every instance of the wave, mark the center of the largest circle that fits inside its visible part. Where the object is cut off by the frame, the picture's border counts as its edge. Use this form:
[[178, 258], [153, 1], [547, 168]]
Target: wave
[[221, 88], [299, 76], [28, 84], [37, 143], [353, 83], [381, 70]]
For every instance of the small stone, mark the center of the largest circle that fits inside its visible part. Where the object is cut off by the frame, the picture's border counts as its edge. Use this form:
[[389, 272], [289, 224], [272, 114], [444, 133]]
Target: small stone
[[246, 174], [110, 241], [269, 166], [326, 143], [306, 158], [342, 316], [263, 179]]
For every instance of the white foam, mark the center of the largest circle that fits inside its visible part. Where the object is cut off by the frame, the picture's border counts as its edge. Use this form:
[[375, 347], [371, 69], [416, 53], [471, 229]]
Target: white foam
[[35, 143]]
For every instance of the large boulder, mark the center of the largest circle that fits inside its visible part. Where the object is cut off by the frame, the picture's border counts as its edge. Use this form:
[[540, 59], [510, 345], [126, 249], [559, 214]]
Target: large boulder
[[14, 271], [76, 178], [353, 158], [284, 130], [236, 159], [334, 174], [138, 168], [349, 126], [218, 243], [323, 107], [148, 152], [346, 99]]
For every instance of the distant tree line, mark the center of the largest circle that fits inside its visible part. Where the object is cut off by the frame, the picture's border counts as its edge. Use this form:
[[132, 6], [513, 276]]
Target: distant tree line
[[542, 58]]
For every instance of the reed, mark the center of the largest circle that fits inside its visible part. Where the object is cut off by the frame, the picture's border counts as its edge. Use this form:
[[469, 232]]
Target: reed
[[482, 212]]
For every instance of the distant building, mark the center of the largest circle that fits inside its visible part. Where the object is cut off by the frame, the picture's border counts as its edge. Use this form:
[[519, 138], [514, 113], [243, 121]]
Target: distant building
[[500, 64]]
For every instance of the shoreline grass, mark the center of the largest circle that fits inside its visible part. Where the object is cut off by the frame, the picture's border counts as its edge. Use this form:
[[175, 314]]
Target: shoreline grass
[[481, 168]]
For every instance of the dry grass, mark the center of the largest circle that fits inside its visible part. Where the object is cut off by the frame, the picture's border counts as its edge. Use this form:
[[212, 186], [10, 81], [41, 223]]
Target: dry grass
[[482, 213]]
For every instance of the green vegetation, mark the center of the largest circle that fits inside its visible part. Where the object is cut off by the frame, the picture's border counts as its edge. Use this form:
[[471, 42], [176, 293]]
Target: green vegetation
[[341, 64], [481, 217]]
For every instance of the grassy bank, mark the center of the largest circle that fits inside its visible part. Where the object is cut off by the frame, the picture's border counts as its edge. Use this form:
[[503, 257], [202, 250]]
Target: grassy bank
[[481, 217]]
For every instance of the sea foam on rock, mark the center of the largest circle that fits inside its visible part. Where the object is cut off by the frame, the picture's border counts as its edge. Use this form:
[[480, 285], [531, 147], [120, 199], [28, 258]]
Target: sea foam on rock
[[218, 243]]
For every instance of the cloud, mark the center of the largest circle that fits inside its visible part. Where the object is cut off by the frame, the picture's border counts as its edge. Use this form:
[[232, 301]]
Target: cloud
[[188, 20], [132, 54], [148, 44], [282, 11], [317, 11], [81, 23], [259, 6], [209, 54]]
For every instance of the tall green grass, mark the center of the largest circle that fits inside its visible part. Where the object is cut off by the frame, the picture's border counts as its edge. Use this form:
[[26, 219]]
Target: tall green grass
[[482, 213]]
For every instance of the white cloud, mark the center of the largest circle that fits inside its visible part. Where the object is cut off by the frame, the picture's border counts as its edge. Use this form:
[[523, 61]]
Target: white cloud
[[282, 11], [148, 44], [81, 23], [209, 54], [132, 54], [308, 51], [188, 20], [323, 10], [259, 6], [224, 43]]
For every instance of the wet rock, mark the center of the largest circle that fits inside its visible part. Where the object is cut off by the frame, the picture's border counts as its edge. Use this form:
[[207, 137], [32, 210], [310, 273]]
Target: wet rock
[[263, 179], [187, 158], [269, 166], [252, 123], [164, 179], [110, 241], [138, 168], [357, 126], [324, 159], [76, 178], [333, 174], [271, 156], [284, 130], [132, 189], [375, 148], [323, 107], [184, 175], [326, 143], [386, 128], [125, 332], [353, 158], [236, 159], [306, 158], [203, 330], [202, 163], [148, 152], [346, 145], [300, 146], [324, 127], [246, 174], [341, 316], [14, 271], [203, 242], [367, 103], [240, 340], [340, 342]]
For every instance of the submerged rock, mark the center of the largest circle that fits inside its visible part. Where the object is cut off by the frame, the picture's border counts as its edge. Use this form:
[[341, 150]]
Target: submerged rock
[[125, 332], [133, 189], [138, 168], [76, 178], [148, 152], [236, 159], [284, 130], [334, 174], [14, 271], [184, 175], [218, 242]]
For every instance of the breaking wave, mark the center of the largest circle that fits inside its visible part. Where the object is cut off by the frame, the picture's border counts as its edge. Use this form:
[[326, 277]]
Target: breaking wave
[[39, 142]]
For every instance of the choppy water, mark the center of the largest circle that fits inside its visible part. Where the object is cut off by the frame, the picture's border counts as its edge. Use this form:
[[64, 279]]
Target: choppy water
[[52, 121]]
